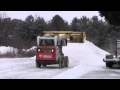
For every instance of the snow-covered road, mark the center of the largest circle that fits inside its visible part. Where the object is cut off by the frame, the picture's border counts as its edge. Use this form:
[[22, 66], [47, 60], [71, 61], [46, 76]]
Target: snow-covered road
[[102, 73], [24, 68], [83, 59]]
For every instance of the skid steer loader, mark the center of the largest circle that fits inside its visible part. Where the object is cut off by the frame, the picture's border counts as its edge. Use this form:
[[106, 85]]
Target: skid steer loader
[[49, 51]]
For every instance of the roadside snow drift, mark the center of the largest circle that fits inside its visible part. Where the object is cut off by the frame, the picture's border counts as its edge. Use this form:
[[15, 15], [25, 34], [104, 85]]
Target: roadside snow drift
[[87, 56], [4, 49]]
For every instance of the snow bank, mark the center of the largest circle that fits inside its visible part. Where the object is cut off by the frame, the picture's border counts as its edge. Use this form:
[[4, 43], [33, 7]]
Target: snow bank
[[4, 49], [86, 55], [32, 48]]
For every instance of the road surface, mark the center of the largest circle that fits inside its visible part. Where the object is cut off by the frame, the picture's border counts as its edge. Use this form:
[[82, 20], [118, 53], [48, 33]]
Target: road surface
[[102, 72], [24, 68]]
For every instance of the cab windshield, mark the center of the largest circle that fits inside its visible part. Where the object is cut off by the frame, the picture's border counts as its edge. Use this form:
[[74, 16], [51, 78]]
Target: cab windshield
[[46, 42]]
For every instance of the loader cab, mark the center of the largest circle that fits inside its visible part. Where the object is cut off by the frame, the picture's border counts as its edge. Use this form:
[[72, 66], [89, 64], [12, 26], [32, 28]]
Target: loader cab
[[46, 50], [61, 40], [46, 42]]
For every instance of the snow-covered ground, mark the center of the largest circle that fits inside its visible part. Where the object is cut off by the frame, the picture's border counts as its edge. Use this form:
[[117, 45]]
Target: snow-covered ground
[[83, 58], [87, 57]]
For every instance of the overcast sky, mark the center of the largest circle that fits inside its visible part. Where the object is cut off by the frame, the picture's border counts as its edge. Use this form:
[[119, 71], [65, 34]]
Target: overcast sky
[[48, 15]]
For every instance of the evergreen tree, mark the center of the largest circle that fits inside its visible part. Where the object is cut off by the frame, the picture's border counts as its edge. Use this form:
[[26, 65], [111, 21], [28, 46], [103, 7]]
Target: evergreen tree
[[113, 17], [75, 25], [58, 24]]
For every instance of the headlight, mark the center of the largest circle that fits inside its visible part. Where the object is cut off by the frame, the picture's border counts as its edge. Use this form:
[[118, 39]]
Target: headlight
[[114, 56], [52, 50], [38, 50]]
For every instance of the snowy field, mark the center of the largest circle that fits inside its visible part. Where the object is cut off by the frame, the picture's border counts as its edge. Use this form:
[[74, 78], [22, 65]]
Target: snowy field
[[83, 58]]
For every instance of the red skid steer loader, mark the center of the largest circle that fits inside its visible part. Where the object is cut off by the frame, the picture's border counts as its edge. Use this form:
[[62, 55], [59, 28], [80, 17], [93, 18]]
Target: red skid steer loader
[[49, 51]]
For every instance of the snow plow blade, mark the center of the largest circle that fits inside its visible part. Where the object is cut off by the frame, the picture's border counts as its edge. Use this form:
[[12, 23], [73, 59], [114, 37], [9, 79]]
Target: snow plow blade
[[79, 37]]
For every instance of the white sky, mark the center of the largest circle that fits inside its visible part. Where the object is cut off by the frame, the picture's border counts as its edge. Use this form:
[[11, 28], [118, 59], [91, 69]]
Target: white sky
[[48, 15]]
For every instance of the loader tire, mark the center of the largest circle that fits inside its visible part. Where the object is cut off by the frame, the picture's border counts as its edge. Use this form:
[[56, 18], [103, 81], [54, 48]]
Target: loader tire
[[61, 62], [66, 61], [109, 64], [44, 65], [38, 65]]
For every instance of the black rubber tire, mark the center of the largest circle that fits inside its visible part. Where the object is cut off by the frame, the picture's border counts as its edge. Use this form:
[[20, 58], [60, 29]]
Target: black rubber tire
[[44, 65], [66, 61], [61, 63], [38, 65], [109, 64], [116, 66]]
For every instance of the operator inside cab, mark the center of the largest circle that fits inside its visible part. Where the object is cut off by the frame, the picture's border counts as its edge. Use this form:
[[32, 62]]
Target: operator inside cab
[[46, 42]]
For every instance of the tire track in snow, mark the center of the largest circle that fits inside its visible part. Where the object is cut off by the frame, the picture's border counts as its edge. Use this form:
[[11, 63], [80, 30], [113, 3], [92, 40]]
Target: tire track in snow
[[28, 70]]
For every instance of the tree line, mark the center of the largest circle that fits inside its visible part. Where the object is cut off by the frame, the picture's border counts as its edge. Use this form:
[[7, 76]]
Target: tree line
[[23, 33]]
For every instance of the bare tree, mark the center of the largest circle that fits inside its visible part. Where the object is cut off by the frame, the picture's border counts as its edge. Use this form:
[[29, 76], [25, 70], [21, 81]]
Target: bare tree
[[3, 14], [35, 17]]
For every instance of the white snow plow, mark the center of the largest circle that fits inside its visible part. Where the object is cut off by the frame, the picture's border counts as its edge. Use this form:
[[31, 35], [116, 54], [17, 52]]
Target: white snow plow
[[112, 60]]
